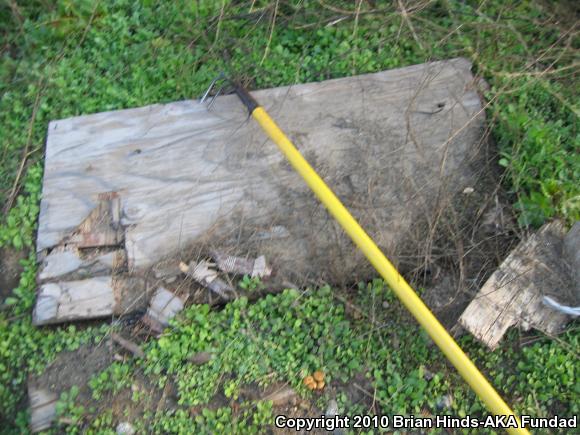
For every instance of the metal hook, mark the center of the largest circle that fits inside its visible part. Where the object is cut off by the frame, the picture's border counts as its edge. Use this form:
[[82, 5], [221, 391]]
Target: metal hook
[[220, 76], [238, 88], [219, 91]]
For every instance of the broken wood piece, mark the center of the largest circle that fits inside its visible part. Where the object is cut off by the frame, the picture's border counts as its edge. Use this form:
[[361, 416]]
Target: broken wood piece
[[203, 273], [91, 298], [127, 344], [102, 227], [513, 295], [242, 266], [164, 305], [69, 263], [42, 408]]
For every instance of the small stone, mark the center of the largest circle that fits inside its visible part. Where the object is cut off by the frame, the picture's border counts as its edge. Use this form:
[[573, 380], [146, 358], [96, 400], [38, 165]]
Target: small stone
[[468, 190], [386, 305]]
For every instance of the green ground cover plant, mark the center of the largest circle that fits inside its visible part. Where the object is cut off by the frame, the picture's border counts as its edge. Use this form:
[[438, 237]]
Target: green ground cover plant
[[72, 57], [278, 339]]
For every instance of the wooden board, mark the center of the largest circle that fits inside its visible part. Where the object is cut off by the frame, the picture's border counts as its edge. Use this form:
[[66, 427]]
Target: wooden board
[[393, 145], [513, 295], [42, 408], [164, 306], [100, 296]]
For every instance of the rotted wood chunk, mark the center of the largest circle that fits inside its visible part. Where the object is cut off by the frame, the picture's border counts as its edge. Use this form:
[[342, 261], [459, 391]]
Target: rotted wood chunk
[[88, 299], [514, 294], [102, 226]]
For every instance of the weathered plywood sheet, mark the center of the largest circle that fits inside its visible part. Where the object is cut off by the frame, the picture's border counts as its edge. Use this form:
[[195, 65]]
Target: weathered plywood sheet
[[391, 144], [513, 295]]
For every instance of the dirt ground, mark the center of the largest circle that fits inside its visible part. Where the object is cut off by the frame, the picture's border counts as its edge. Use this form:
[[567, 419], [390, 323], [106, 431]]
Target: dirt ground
[[10, 270]]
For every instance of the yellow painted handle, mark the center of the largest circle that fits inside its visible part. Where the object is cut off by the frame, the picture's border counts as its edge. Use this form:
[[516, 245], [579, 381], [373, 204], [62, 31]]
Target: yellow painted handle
[[402, 289]]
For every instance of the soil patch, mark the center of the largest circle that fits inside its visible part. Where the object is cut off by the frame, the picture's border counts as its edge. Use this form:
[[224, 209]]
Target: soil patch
[[10, 270]]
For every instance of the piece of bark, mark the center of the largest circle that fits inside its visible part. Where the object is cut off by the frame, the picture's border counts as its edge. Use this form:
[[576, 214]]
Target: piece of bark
[[42, 408], [127, 344], [242, 266], [88, 299], [203, 273], [164, 305], [393, 145], [68, 263], [513, 295]]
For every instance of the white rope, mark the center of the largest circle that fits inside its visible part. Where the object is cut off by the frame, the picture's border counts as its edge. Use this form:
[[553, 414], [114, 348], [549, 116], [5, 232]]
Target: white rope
[[572, 311]]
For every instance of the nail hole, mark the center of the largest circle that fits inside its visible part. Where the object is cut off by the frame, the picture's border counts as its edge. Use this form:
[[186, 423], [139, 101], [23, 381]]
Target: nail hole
[[441, 105]]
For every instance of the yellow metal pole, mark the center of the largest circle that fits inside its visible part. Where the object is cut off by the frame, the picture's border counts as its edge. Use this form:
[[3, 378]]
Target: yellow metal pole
[[403, 290]]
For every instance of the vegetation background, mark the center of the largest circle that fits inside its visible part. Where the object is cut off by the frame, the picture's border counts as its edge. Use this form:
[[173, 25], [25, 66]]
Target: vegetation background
[[71, 57]]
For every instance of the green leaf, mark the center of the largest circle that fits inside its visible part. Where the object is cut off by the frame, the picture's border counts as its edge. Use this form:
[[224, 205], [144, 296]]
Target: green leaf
[[17, 241], [10, 301]]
